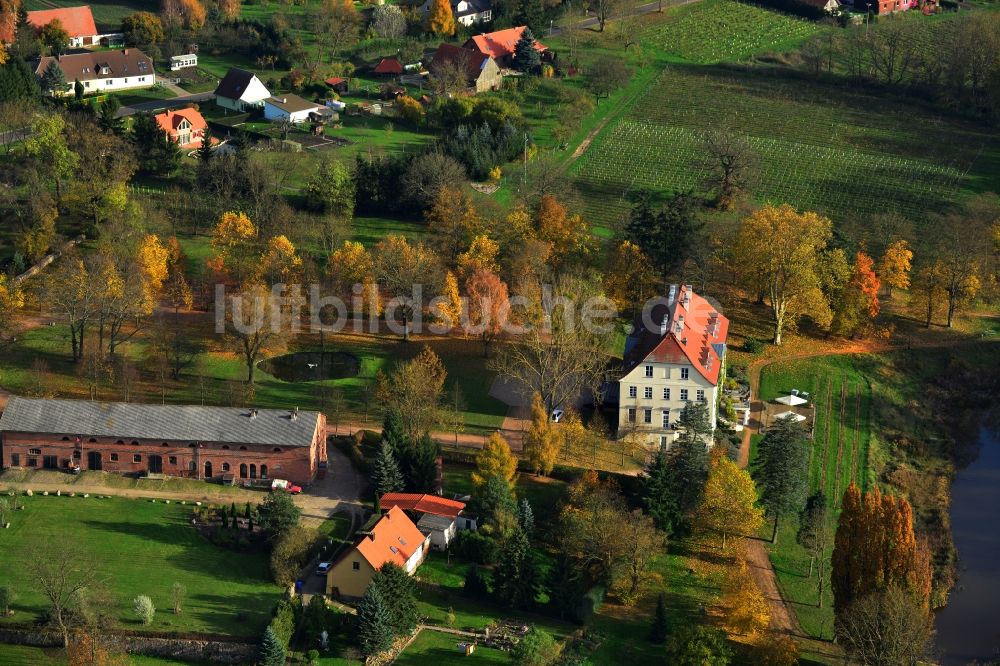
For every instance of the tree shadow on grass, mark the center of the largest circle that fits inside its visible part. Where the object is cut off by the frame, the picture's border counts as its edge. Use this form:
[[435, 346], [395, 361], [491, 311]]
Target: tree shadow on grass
[[241, 614]]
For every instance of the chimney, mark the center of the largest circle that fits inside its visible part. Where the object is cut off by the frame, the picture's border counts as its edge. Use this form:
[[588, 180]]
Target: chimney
[[295, 413], [253, 413]]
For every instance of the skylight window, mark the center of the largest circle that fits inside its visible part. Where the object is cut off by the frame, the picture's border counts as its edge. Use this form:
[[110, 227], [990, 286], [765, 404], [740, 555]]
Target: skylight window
[[395, 551]]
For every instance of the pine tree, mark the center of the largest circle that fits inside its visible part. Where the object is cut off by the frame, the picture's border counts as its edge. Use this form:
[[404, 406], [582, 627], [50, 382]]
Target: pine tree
[[526, 56], [271, 651], [106, 114], [420, 465], [526, 517], [563, 585], [673, 483], [53, 78], [233, 516], [374, 623], [658, 631], [475, 583], [77, 89], [205, 151], [531, 14], [157, 153], [386, 476], [781, 470], [225, 517], [516, 577], [400, 597], [393, 432]]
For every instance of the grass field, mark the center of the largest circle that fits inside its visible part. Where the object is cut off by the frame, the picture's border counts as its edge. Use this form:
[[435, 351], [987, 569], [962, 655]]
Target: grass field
[[439, 649], [23, 655], [140, 547], [108, 14], [819, 147]]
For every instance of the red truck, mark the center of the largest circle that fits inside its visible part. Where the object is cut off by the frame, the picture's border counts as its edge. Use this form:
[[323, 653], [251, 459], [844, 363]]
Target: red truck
[[287, 486]]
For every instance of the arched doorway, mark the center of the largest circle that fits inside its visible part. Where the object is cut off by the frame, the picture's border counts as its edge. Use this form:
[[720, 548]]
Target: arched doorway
[[94, 460], [208, 469], [155, 464], [243, 471], [253, 471], [263, 471]]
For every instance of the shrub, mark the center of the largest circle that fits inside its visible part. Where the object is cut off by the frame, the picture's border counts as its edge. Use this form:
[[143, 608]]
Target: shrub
[[752, 345], [475, 547], [410, 110], [537, 648], [272, 651], [144, 608]]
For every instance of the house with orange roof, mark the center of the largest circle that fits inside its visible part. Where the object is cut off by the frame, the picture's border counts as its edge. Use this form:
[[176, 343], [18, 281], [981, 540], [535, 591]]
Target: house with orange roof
[[500, 45], [439, 516], [185, 127], [674, 356], [393, 538], [78, 22]]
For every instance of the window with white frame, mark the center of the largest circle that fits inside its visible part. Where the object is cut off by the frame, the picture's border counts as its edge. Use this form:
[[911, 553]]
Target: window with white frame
[[649, 371], [701, 395], [633, 392], [684, 373], [684, 395], [647, 416], [666, 393], [647, 392]]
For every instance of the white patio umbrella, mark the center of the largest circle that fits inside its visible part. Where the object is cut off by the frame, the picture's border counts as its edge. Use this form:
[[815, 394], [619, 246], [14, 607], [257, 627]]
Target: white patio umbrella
[[792, 400], [792, 415]]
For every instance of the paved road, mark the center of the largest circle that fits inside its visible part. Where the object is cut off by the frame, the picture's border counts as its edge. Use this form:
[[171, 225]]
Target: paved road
[[161, 104]]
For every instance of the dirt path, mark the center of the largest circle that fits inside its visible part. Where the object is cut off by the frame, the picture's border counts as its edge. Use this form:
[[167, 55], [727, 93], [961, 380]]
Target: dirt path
[[782, 619]]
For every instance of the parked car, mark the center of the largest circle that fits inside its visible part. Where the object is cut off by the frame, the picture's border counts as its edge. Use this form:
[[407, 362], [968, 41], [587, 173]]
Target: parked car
[[287, 486], [323, 568], [557, 415]]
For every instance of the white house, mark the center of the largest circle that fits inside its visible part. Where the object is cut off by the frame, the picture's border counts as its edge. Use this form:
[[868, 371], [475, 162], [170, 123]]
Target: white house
[[240, 90], [179, 62], [675, 355], [101, 71], [466, 12], [291, 108]]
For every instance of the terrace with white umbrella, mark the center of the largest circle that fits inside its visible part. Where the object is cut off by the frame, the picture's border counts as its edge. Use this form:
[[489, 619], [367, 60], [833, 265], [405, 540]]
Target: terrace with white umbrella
[[796, 405]]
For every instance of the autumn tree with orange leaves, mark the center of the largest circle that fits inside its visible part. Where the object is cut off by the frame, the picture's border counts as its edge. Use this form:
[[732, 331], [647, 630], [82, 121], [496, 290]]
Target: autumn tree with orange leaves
[[875, 548], [858, 304], [188, 13], [489, 306]]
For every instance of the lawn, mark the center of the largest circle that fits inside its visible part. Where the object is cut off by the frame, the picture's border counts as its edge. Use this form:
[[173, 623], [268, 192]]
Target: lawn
[[24, 655], [137, 547], [108, 14], [439, 649]]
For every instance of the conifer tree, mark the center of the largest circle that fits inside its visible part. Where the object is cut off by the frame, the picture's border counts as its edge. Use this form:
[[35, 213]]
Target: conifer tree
[[400, 597], [526, 517], [515, 577], [53, 78], [386, 476], [526, 57], [393, 432], [271, 652], [205, 150], [781, 470], [374, 623], [658, 631], [563, 585], [475, 583]]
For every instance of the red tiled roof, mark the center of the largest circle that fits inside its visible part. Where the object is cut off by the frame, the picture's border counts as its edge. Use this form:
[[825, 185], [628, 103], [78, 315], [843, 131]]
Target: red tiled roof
[[393, 539], [170, 120], [693, 326], [501, 43], [77, 21], [335, 80], [388, 66], [435, 504]]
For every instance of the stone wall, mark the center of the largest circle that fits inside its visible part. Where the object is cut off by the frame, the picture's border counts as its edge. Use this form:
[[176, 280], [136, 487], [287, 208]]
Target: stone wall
[[215, 651]]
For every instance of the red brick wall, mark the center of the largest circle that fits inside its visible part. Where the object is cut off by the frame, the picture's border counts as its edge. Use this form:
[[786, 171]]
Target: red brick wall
[[295, 463]]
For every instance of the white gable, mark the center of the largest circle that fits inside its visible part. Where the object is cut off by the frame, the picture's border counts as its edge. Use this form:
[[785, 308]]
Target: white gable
[[255, 92]]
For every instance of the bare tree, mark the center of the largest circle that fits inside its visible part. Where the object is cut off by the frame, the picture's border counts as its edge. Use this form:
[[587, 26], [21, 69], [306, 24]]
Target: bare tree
[[450, 75], [252, 327], [893, 51], [730, 163], [890, 628], [63, 575]]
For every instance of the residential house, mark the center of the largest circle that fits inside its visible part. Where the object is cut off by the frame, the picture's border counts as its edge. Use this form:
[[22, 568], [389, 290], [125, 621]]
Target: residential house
[[500, 45], [240, 90], [674, 356], [292, 108], [185, 127], [179, 62], [176, 440], [481, 71], [393, 538], [466, 12], [78, 22], [440, 517], [388, 67], [101, 71]]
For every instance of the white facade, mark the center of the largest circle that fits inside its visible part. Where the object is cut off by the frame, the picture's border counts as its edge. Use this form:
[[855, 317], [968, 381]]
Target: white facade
[[417, 557], [463, 12], [122, 83], [652, 396], [251, 98], [274, 113], [183, 61]]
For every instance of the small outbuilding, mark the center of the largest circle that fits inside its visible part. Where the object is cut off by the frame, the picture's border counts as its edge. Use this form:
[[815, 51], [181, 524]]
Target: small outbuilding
[[337, 84], [291, 108], [388, 67]]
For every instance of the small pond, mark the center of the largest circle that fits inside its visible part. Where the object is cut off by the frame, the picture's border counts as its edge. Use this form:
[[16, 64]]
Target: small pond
[[312, 366]]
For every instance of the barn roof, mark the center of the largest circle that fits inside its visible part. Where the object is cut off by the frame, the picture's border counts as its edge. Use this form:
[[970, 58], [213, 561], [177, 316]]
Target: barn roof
[[77, 21], [187, 423]]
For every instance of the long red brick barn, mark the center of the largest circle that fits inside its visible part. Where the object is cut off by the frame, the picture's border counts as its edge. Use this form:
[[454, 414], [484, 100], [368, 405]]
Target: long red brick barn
[[177, 440]]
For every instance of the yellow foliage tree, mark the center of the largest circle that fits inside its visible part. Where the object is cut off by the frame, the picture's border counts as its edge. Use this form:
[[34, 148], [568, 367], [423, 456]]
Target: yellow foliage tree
[[233, 240], [151, 259], [746, 609], [778, 253], [894, 267], [280, 262], [350, 264], [451, 309], [453, 222], [567, 235], [482, 254], [728, 505], [495, 459], [440, 19], [541, 443], [630, 279], [774, 649]]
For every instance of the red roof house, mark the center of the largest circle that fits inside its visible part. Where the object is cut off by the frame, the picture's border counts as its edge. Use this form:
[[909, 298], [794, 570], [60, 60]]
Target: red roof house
[[500, 45], [394, 538], [77, 21], [186, 127], [388, 67], [433, 504], [337, 83]]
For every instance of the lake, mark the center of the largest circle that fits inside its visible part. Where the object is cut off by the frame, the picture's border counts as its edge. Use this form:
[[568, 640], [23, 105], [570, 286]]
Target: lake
[[968, 628]]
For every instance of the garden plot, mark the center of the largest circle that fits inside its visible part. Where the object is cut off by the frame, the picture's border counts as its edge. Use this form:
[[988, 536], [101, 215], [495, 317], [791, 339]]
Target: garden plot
[[711, 32]]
